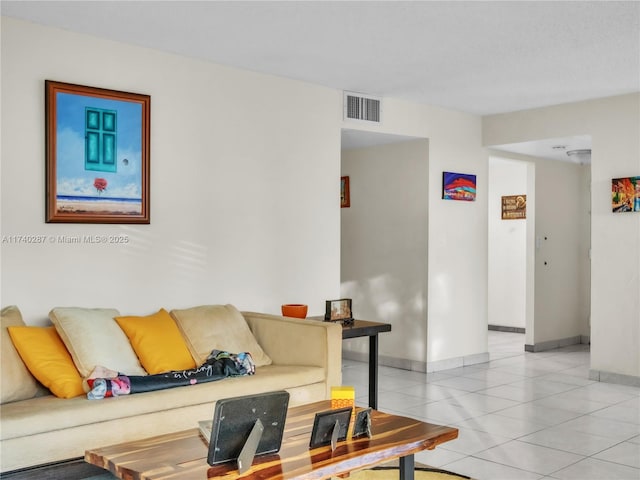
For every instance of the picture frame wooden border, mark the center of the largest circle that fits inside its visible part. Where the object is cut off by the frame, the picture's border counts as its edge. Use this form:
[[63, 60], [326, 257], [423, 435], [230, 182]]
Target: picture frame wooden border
[[338, 310], [345, 194], [68, 110], [514, 207]]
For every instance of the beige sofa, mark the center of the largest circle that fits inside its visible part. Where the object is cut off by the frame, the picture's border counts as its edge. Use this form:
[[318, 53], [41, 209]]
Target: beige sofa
[[305, 360]]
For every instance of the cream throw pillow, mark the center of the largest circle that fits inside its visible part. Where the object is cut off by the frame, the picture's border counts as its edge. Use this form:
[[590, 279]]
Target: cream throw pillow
[[16, 383], [220, 327], [93, 338]]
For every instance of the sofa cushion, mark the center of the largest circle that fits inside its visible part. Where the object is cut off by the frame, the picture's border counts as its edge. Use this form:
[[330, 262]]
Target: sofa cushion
[[93, 338], [47, 359], [157, 341], [220, 327], [44, 414], [16, 381]]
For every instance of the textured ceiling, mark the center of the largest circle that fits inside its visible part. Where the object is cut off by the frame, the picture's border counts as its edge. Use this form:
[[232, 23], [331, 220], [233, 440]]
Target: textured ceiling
[[477, 57]]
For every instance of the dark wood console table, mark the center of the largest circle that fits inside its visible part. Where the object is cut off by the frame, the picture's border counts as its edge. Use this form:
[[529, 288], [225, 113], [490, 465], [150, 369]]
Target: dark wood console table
[[364, 328]]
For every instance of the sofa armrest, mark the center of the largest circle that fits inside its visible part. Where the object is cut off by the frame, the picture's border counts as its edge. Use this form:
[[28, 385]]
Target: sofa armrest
[[300, 342]]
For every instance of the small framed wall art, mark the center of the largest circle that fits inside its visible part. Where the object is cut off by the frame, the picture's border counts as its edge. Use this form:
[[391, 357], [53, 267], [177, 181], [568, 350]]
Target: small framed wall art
[[625, 194], [458, 186], [514, 207], [97, 154], [345, 197]]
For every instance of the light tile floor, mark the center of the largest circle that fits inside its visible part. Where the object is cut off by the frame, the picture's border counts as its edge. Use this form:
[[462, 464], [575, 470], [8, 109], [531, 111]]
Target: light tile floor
[[520, 416]]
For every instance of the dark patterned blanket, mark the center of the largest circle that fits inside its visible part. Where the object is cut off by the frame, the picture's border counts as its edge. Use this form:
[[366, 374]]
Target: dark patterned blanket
[[217, 366]]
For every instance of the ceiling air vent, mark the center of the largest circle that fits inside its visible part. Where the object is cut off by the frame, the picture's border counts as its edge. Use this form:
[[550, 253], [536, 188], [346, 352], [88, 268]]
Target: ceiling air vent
[[359, 107]]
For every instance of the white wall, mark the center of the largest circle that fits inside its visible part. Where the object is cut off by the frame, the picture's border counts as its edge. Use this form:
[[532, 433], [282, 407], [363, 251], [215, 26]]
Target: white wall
[[457, 231], [557, 270], [244, 171], [244, 189], [562, 253], [614, 125], [507, 265], [384, 247]]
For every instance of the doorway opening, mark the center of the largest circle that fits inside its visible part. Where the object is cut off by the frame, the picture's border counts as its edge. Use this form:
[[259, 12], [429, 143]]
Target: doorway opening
[[510, 222], [384, 236], [551, 287]]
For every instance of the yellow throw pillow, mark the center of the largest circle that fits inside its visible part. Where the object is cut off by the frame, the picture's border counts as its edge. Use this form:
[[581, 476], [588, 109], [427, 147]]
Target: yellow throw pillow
[[47, 359], [220, 327], [157, 342], [16, 383]]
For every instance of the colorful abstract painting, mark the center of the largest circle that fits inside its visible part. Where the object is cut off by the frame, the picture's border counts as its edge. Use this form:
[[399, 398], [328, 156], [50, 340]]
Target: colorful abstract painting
[[458, 186], [625, 194]]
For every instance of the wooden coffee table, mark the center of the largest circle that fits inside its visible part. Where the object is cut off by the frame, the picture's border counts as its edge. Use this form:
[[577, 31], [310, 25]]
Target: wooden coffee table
[[183, 455]]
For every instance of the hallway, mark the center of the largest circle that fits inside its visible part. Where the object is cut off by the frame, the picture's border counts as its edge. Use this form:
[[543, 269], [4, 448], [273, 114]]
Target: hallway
[[521, 416]]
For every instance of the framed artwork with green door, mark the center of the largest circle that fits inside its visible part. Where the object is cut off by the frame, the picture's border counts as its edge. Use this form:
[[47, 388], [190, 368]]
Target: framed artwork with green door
[[97, 155]]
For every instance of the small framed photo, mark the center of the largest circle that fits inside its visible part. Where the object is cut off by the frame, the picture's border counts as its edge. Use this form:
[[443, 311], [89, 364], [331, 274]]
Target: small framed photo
[[345, 198], [362, 423], [338, 310], [330, 427]]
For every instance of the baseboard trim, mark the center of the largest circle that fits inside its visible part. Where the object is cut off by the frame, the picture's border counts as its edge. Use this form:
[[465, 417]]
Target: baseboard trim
[[384, 360], [553, 344], [457, 362], [502, 328], [417, 366], [610, 377]]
